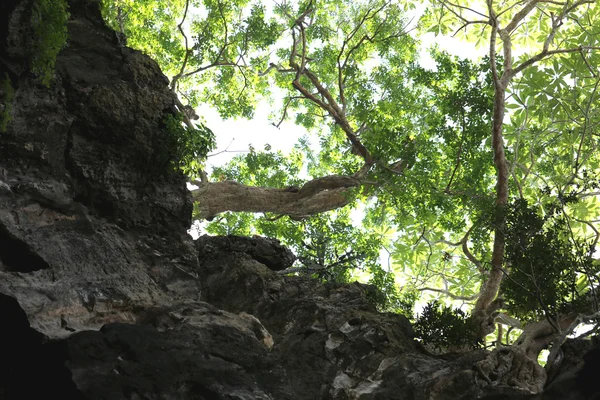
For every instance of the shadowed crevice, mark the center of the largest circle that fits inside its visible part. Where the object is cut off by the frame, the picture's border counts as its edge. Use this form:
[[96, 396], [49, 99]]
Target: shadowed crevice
[[31, 367], [16, 256]]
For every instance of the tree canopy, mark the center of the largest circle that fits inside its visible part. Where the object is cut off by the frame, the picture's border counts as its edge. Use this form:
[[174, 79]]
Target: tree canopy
[[477, 179]]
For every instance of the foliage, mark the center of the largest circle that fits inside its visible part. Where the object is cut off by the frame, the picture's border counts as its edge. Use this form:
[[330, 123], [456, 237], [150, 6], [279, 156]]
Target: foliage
[[444, 328], [263, 168], [7, 94], [49, 20], [186, 148], [335, 248], [388, 297], [150, 26], [435, 141], [219, 49], [549, 271]]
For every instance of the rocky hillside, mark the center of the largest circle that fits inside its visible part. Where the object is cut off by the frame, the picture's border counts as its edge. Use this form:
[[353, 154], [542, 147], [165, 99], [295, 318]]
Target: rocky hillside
[[103, 295]]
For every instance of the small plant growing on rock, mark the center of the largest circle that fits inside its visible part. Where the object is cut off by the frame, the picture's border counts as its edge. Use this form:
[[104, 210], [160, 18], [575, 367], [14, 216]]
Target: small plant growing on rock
[[49, 21], [187, 148]]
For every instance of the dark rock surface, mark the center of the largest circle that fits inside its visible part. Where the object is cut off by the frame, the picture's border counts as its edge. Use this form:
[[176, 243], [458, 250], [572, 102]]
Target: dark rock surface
[[201, 353], [103, 295], [90, 227], [266, 251], [28, 362]]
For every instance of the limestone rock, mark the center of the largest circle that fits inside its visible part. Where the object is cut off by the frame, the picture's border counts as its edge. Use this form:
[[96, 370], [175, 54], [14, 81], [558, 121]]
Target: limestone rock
[[103, 295]]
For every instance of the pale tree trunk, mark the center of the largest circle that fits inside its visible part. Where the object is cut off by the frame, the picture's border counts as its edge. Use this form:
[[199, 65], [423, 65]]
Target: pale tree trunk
[[316, 196], [486, 306]]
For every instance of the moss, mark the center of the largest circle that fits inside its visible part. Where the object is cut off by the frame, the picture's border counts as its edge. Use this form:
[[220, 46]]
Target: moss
[[49, 21], [7, 94]]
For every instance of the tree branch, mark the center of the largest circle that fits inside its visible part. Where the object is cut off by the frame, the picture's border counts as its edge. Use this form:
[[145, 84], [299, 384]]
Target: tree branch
[[518, 17], [326, 102], [316, 196], [217, 62], [187, 50], [449, 294]]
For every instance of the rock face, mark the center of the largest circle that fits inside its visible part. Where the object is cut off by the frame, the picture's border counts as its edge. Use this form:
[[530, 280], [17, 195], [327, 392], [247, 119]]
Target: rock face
[[103, 295], [90, 228]]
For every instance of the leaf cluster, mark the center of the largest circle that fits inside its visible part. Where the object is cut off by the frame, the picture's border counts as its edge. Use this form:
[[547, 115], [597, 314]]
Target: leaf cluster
[[549, 270], [387, 296], [338, 247], [49, 21], [149, 26], [333, 250], [444, 328], [185, 148]]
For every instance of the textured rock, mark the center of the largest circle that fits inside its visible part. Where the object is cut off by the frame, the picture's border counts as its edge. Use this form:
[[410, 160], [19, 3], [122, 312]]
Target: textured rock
[[103, 295], [91, 228], [200, 353], [266, 251]]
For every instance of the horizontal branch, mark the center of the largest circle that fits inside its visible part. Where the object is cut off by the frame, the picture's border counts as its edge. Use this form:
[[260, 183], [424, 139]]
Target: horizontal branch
[[449, 294], [316, 196], [543, 54], [465, 8]]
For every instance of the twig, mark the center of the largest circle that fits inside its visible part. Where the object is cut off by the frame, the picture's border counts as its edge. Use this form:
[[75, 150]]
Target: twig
[[222, 151], [449, 294], [187, 50]]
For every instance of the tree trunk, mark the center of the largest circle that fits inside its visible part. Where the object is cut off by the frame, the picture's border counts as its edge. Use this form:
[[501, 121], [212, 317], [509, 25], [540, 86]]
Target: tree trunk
[[316, 196], [485, 306]]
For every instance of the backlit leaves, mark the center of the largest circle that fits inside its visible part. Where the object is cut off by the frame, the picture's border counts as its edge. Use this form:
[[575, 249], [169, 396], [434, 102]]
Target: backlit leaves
[[427, 203]]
